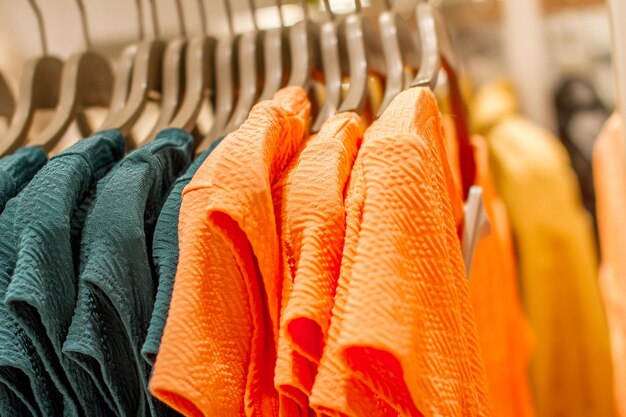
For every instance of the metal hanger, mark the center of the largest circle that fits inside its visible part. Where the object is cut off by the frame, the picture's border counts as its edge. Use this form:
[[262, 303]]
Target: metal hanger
[[7, 101], [39, 89], [617, 14], [357, 42], [399, 49], [86, 80], [304, 57], [200, 77], [124, 69], [248, 61], [173, 81], [273, 57], [225, 52], [146, 78], [331, 64], [438, 53]]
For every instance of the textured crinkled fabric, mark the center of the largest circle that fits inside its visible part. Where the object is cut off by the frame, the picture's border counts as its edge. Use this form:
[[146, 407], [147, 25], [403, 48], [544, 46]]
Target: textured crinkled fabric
[[505, 336], [165, 257], [11, 405], [309, 202], [571, 369], [217, 354], [17, 170], [39, 254], [402, 274], [116, 287], [609, 169]]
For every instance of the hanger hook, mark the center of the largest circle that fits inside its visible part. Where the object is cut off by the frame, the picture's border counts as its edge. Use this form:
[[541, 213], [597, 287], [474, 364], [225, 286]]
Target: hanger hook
[[305, 9], [140, 27], [389, 4], [42, 26], [358, 6], [229, 18], [84, 23], [281, 17], [329, 10], [253, 13], [181, 18], [155, 19], [202, 11]]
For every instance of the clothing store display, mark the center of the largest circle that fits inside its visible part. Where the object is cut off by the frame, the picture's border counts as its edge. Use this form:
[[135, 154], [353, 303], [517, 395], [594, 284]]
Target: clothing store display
[[336, 213], [165, 256], [39, 256], [228, 281], [309, 200], [118, 291], [610, 175]]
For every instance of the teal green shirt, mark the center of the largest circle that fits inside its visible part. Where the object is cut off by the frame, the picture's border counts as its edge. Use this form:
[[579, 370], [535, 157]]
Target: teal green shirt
[[17, 170], [116, 287], [38, 280], [11, 405], [165, 257]]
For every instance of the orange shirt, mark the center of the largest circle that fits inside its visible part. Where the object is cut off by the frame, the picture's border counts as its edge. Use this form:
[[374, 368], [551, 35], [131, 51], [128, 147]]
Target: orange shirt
[[504, 334], [310, 200], [609, 169], [402, 337], [217, 354]]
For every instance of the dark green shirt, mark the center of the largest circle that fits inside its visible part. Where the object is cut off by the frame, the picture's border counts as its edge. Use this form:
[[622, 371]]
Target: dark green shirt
[[165, 257], [38, 279], [17, 170], [116, 287]]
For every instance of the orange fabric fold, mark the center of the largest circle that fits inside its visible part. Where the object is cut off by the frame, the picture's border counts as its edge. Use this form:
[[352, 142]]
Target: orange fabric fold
[[505, 336], [310, 200], [218, 349]]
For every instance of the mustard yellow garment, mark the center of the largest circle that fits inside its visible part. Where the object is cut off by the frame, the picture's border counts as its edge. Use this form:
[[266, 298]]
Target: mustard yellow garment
[[571, 369]]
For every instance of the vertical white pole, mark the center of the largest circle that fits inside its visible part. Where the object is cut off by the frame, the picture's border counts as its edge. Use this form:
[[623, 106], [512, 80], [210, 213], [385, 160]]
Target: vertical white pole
[[617, 9], [527, 55]]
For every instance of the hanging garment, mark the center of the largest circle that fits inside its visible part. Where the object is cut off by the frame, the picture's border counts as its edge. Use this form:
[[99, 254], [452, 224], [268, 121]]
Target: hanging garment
[[335, 392], [17, 170], [116, 288], [580, 116], [38, 279], [504, 334], [402, 273], [571, 369], [309, 201], [165, 257], [610, 176], [218, 350]]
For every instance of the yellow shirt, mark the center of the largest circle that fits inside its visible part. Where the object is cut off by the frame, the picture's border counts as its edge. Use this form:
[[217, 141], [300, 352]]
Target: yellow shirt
[[571, 370]]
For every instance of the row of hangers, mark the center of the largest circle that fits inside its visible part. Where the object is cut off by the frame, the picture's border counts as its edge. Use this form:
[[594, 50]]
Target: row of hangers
[[188, 72]]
